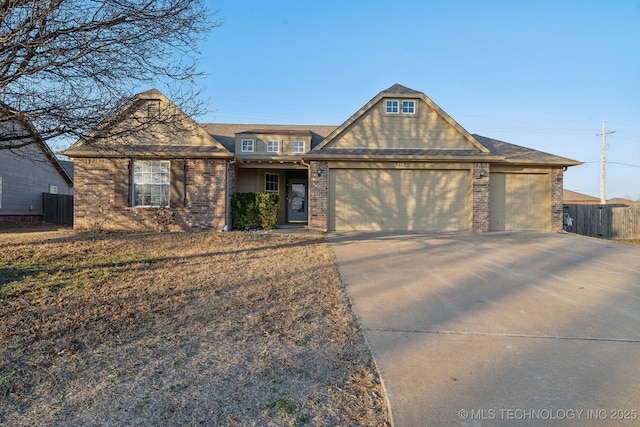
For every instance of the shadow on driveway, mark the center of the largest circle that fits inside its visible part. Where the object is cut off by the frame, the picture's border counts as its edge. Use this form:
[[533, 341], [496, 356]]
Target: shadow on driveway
[[499, 328]]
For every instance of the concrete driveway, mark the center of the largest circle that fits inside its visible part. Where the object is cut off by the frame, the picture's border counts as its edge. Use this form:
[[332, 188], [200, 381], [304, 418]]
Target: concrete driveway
[[499, 328]]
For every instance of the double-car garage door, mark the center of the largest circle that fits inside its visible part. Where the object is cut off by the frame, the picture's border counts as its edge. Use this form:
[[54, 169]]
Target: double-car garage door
[[400, 199]]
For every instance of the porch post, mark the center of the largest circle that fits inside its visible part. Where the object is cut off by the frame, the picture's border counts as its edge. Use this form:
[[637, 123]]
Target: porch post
[[557, 185], [318, 195], [480, 188]]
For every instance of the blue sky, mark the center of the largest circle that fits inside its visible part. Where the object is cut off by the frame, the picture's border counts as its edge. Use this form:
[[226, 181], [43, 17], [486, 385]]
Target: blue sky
[[542, 74]]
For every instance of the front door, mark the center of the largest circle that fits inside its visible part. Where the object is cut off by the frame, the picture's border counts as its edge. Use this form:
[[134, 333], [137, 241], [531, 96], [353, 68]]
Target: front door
[[297, 200]]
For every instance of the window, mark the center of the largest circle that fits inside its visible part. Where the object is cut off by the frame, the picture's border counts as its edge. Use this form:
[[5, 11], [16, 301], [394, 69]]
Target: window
[[246, 145], [394, 106], [53, 189], [151, 183], [408, 107], [271, 183], [273, 146], [298, 147]]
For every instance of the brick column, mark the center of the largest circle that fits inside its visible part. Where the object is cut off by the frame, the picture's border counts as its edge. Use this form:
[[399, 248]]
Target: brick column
[[319, 196], [557, 185], [480, 189]]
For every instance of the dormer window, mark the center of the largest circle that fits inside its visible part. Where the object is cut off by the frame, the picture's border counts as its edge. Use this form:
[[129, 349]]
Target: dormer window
[[395, 106], [247, 145], [408, 107], [297, 147], [273, 146]]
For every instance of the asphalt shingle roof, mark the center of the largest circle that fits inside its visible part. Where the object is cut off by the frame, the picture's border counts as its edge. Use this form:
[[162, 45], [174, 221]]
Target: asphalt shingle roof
[[513, 153], [225, 132]]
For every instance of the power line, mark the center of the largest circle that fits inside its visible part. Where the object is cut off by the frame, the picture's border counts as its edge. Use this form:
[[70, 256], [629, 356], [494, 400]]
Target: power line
[[614, 163]]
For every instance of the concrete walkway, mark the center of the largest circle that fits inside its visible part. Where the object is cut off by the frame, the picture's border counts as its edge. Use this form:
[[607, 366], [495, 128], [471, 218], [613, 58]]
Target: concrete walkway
[[499, 328]]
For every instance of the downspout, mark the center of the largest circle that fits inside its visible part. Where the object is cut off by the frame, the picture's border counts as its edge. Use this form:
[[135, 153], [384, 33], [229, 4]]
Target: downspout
[[184, 182]]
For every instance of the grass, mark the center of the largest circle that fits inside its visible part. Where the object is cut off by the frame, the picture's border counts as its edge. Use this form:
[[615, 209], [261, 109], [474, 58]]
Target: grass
[[179, 329], [633, 242]]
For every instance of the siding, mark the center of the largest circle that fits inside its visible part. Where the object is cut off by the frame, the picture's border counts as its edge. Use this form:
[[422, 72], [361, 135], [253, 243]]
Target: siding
[[26, 174], [425, 129]]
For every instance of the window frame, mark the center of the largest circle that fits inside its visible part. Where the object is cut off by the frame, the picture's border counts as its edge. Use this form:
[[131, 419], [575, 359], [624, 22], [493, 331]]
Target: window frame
[[270, 145], [275, 185], [139, 178], [299, 151], [407, 102], [405, 107], [245, 148], [395, 109]]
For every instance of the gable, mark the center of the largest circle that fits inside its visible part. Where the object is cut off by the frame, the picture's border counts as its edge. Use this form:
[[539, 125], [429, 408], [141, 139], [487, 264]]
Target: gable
[[149, 125], [423, 129], [423, 126], [31, 147]]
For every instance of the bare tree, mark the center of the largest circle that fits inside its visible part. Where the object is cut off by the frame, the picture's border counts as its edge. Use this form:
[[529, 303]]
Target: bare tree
[[66, 65]]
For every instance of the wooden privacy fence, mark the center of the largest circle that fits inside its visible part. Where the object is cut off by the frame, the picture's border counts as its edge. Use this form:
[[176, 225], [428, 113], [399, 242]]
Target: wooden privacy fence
[[57, 208], [604, 221]]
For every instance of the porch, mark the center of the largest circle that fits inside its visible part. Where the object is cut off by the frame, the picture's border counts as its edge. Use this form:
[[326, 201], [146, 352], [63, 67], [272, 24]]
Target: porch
[[290, 183]]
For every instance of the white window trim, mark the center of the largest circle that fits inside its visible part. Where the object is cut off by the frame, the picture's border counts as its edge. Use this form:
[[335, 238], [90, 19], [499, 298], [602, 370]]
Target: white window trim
[[401, 106], [266, 182], [388, 103], [271, 143], [293, 147], [245, 149], [413, 106], [167, 184]]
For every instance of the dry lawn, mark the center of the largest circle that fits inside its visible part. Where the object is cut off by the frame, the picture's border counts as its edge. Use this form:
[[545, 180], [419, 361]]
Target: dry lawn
[[633, 242], [179, 329]]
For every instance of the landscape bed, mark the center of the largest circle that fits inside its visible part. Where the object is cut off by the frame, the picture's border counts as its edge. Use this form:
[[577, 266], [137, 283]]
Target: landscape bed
[[179, 329]]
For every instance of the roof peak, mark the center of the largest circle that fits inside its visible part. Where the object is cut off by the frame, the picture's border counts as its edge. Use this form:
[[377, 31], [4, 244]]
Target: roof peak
[[398, 88]]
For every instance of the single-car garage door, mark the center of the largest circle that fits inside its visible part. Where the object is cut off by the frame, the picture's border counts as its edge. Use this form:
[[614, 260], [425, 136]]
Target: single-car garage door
[[518, 201], [400, 199]]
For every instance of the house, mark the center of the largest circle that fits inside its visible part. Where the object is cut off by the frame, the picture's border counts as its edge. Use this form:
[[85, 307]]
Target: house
[[398, 163], [575, 198], [27, 171]]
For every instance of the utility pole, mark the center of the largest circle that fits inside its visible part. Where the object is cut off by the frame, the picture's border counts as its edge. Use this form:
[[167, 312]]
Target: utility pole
[[603, 164]]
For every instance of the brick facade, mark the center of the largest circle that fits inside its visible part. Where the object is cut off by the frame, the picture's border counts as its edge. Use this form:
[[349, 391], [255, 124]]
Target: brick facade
[[96, 208], [557, 184], [319, 196], [480, 190]]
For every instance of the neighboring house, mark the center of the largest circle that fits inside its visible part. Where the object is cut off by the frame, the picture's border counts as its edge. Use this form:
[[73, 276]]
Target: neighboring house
[[399, 163], [574, 198], [620, 201], [26, 173]]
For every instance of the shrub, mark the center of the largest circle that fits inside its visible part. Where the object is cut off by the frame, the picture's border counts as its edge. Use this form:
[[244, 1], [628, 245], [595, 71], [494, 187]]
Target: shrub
[[255, 210]]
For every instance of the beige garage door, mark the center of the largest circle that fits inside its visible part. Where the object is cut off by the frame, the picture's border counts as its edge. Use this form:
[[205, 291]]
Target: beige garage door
[[518, 201], [380, 199]]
